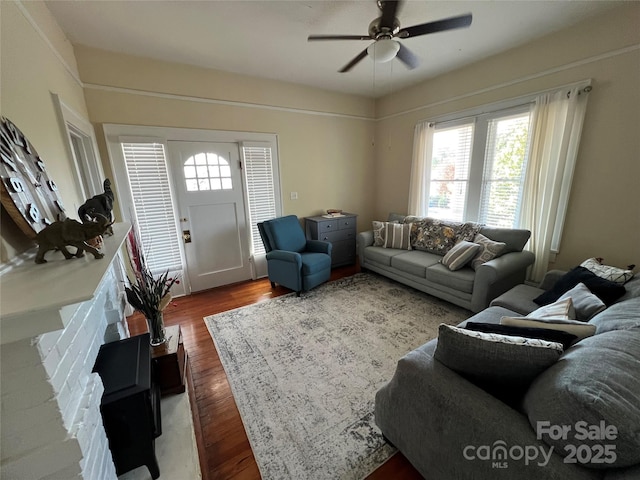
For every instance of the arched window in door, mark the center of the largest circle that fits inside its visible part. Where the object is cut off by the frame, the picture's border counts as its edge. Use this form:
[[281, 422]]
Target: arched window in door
[[207, 171]]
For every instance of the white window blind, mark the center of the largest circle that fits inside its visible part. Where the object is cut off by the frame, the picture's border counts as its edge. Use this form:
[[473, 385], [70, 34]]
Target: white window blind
[[153, 208], [504, 168], [259, 173], [450, 164]]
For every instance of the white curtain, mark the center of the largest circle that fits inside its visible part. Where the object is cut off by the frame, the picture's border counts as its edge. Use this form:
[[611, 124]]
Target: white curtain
[[421, 169], [556, 126]]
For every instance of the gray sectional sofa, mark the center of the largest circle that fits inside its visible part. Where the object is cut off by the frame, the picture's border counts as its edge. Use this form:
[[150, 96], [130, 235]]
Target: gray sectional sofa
[[450, 428], [468, 288]]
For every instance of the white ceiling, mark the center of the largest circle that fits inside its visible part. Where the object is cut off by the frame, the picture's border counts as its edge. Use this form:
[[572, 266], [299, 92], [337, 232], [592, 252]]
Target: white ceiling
[[268, 38]]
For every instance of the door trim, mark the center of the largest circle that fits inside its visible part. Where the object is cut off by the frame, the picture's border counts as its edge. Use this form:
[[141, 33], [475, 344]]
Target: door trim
[[114, 132]]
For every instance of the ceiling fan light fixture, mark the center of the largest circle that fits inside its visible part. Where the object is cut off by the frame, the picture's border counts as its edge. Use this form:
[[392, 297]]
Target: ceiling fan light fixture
[[383, 50]]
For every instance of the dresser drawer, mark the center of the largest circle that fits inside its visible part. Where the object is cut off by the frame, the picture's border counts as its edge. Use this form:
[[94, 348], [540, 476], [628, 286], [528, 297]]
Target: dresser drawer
[[336, 236], [348, 223]]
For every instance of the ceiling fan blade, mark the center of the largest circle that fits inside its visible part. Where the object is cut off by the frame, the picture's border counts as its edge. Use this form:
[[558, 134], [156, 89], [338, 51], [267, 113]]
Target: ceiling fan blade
[[353, 62], [389, 9], [437, 26], [407, 57], [338, 37]]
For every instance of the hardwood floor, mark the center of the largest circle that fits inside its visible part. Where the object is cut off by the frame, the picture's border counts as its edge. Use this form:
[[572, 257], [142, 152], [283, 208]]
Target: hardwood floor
[[223, 446]]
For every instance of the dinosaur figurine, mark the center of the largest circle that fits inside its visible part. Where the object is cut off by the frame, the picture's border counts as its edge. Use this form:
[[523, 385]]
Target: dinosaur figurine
[[101, 204], [71, 232]]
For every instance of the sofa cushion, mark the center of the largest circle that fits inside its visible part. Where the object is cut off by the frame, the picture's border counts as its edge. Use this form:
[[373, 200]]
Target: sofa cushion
[[620, 316], [382, 255], [613, 274], [501, 364], [397, 235], [519, 299], [574, 327], [566, 339], [607, 291], [461, 280], [414, 262], [460, 255], [585, 303], [608, 392], [514, 238], [489, 250]]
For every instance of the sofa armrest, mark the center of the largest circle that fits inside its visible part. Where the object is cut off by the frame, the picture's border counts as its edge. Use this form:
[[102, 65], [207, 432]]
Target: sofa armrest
[[496, 276], [432, 414], [319, 246], [364, 239]]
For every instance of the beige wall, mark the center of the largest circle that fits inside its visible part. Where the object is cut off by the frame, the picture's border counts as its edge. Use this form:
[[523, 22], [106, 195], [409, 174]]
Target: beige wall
[[30, 72], [331, 151], [325, 140], [604, 209]]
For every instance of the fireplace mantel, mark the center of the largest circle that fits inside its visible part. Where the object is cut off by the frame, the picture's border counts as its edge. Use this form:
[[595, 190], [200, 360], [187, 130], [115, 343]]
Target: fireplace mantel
[[39, 298], [54, 318]]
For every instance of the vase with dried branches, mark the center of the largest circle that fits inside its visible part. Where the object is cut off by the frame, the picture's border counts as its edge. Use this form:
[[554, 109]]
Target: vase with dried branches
[[148, 293]]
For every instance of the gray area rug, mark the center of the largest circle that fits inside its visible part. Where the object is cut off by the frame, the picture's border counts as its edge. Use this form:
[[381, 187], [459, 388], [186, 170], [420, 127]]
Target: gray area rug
[[304, 371]]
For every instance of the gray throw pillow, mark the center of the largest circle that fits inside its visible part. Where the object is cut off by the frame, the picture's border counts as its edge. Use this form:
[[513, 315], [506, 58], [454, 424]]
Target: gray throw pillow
[[597, 383], [503, 365], [488, 250], [585, 303]]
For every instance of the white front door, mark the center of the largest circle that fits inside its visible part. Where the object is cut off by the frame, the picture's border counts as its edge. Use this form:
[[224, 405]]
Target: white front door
[[212, 212]]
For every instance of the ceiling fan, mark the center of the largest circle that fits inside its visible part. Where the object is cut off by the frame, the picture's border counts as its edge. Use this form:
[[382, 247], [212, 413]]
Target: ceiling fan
[[385, 28]]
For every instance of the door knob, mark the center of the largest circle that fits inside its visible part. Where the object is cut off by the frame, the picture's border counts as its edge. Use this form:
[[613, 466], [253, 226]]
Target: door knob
[[186, 236]]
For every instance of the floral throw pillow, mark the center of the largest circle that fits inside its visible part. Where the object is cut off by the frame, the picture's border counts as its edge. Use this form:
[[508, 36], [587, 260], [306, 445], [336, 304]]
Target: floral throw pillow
[[434, 236]]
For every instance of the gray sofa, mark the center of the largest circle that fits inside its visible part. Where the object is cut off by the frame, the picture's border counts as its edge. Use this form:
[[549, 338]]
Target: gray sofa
[[431, 413], [468, 288]]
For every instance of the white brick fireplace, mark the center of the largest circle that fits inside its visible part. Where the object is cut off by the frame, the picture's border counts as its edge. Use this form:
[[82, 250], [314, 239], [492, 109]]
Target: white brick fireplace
[[54, 317]]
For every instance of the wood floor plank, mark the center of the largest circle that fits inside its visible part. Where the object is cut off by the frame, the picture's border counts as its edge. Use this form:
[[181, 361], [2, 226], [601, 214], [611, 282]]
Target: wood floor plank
[[223, 446]]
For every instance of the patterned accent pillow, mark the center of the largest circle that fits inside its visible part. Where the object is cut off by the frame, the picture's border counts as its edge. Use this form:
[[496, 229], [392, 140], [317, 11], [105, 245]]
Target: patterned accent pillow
[[468, 231], [378, 233], [503, 365], [613, 274], [460, 255], [488, 250], [434, 236], [397, 235]]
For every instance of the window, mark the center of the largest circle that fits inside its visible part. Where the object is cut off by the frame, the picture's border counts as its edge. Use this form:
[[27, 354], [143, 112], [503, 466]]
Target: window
[[504, 170], [259, 174], [478, 167], [207, 171], [152, 204], [450, 163]]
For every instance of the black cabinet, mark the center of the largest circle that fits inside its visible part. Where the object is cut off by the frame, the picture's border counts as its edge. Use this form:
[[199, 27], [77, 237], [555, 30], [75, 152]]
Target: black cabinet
[[130, 404]]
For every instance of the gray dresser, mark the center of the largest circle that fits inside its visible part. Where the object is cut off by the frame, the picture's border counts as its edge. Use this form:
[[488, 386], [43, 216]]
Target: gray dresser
[[340, 231]]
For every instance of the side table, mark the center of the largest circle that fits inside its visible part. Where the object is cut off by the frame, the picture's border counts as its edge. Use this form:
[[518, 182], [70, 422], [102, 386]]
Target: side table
[[170, 362]]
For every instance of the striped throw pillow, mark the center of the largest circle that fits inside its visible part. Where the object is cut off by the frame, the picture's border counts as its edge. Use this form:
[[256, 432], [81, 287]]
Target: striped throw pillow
[[397, 235], [461, 254]]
